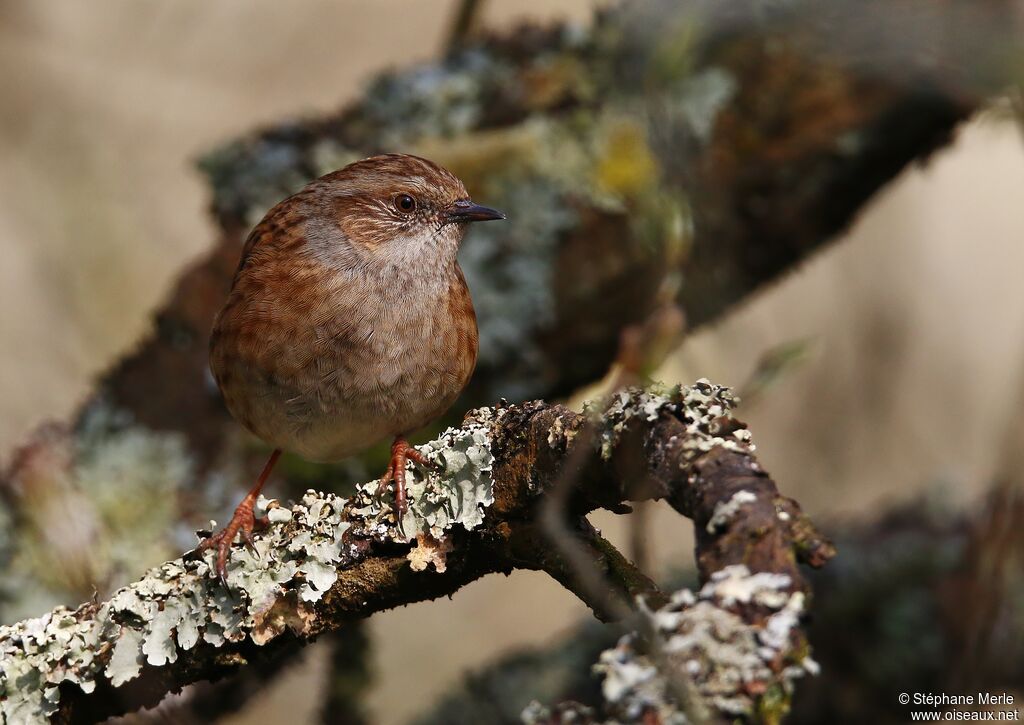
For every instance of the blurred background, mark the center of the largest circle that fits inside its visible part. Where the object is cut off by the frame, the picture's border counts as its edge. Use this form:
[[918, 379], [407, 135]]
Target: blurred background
[[903, 378]]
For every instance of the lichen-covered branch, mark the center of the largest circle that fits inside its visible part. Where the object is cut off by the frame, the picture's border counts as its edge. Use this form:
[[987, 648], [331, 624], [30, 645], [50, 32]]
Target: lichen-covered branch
[[734, 664], [326, 561]]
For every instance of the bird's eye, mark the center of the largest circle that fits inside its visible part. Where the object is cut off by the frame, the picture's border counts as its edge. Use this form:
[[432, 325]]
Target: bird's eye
[[405, 203]]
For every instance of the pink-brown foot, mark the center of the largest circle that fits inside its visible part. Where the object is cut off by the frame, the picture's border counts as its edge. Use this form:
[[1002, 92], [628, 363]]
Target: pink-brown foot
[[401, 452], [243, 522]]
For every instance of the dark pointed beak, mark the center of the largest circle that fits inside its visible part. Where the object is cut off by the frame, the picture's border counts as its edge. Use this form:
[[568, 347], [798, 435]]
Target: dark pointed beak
[[465, 210]]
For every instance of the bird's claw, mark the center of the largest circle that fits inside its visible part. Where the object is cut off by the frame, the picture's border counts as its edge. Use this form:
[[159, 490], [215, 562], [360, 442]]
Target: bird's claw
[[401, 452], [391, 475], [254, 524], [244, 522], [220, 542], [416, 457]]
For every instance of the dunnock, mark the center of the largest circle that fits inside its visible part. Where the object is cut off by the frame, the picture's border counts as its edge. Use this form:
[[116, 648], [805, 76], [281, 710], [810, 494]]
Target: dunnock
[[349, 320]]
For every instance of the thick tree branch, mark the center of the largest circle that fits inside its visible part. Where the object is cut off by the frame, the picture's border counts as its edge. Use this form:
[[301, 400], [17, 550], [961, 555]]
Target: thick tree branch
[[327, 561]]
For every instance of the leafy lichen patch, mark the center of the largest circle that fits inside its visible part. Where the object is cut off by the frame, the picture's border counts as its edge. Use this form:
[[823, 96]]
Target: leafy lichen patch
[[429, 551], [174, 607], [560, 437], [456, 489], [736, 585], [273, 586]]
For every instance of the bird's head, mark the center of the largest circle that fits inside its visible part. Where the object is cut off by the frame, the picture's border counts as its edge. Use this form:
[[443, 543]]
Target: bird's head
[[402, 207]]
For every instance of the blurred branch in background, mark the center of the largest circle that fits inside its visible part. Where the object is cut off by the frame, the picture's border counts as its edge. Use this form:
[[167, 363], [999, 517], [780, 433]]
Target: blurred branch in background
[[655, 152], [658, 144], [464, 21], [329, 561]]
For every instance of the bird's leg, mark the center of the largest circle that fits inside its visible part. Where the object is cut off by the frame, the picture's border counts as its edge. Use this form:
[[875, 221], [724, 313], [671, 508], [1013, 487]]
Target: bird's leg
[[243, 520], [401, 452]]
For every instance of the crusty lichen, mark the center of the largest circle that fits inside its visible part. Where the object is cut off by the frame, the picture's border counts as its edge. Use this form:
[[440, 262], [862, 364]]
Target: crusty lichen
[[726, 510], [729, 659], [703, 407], [709, 639]]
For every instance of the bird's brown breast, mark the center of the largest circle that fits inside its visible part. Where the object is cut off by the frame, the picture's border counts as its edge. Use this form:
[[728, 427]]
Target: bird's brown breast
[[326, 363]]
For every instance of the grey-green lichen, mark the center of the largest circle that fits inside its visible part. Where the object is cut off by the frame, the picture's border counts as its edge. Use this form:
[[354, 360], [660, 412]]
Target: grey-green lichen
[[511, 272], [437, 99], [703, 407], [455, 491], [703, 639], [172, 608], [273, 586], [726, 657], [701, 99]]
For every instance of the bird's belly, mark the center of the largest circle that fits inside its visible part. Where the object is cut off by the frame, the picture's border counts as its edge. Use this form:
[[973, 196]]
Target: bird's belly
[[356, 392], [327, 437], [332, 428]]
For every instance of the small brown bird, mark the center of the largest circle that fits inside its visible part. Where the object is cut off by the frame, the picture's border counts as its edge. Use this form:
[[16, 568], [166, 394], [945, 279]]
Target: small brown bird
[[349, 320]]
